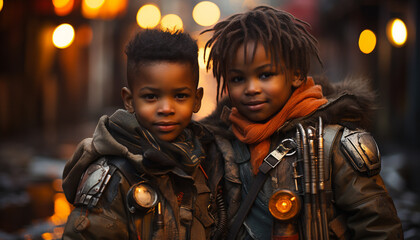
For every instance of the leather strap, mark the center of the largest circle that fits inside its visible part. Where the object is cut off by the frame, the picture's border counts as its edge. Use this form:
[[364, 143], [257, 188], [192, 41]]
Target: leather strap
[[125, 167], [270, 162]]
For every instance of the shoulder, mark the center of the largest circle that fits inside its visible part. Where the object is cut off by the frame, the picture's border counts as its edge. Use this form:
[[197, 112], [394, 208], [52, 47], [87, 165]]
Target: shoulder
[[361, 151], [103, 174]]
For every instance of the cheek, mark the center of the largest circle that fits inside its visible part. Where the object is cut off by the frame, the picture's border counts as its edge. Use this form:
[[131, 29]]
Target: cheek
[[234, 94], [144, 112]]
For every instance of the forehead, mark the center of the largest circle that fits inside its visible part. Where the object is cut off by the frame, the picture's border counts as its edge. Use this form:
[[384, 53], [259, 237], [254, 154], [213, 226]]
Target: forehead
[[164, 74], [249, 52]]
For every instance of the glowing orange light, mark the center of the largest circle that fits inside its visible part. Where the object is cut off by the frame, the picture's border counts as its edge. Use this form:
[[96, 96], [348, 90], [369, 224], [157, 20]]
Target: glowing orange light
[[62, 209], [94, 4], [63, 36], [396, 32], [47, 236], [284, 205], [171, 22], [108, 9], [206, 13], [60, 3], [148, 16], [113, 8], [63, 7], [1, 5], [367, 41]]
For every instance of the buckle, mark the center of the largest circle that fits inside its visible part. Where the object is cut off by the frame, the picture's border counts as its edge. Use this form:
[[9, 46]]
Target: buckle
[[290, 144], [278, 156]]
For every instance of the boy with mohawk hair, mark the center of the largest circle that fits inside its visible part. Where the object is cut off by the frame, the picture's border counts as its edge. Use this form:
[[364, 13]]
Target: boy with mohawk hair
[[144, 173], [304, 167]]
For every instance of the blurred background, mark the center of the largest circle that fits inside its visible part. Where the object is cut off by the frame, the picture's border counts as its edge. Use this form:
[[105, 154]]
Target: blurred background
[[63, 65]]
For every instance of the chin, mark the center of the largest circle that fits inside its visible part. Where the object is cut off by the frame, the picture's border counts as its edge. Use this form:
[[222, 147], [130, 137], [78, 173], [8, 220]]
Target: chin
[[256, 118]]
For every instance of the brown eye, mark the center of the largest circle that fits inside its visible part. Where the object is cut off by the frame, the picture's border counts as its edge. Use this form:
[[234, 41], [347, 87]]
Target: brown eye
[[237, 79], [181, 96], [149, 97], [266, 75]]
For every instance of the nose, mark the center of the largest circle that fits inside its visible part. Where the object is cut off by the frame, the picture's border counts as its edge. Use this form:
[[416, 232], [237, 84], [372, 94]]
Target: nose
[[166, 107], [253, 87]]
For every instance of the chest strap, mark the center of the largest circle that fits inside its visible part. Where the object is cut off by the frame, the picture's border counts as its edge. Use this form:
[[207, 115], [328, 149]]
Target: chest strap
[[270, 162]]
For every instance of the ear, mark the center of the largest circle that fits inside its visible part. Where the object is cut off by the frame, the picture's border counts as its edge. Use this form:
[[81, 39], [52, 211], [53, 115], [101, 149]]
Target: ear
[[297, 81], [127, 97], [198, 98]]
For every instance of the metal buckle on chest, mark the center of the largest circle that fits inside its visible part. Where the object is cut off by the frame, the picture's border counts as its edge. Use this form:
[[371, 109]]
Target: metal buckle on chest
[[286, 148], [274, 158]]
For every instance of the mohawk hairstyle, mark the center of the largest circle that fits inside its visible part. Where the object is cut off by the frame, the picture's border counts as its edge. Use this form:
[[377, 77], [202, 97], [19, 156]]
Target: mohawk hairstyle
[[282, 35], [152, 45]]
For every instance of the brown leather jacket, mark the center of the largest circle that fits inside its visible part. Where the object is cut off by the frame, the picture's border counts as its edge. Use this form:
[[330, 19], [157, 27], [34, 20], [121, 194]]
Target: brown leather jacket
[[98, 178], [359, 206]]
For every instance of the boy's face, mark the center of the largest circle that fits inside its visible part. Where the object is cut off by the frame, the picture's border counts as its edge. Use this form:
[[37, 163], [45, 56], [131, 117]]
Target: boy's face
[[257, 88], [163, 96]]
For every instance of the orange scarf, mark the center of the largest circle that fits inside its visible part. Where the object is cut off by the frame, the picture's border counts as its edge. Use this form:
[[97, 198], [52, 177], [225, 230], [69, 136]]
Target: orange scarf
[[304, 100]]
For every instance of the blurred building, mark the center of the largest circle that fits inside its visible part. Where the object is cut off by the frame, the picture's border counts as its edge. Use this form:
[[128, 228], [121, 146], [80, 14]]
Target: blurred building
[[51, 95]]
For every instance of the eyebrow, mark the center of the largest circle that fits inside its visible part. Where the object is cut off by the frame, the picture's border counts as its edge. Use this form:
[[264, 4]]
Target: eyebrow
[[258, 68], [158, 89]]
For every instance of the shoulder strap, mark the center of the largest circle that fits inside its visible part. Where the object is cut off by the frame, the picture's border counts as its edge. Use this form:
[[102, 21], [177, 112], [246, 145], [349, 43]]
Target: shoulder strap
[[270, 162], [125, 167]]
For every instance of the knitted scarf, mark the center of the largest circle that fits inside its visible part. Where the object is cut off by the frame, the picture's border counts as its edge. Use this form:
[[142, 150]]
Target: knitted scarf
[[303, 101]]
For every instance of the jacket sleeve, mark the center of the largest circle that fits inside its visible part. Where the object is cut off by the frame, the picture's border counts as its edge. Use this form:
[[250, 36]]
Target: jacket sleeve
[[106, 220], [361, 194]]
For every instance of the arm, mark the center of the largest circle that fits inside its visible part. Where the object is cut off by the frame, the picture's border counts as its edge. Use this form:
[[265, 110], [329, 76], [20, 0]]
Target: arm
[[105, 219], [359, 190]]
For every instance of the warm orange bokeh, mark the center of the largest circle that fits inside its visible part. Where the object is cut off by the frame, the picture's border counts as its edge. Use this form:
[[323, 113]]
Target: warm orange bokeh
[[109, 9]]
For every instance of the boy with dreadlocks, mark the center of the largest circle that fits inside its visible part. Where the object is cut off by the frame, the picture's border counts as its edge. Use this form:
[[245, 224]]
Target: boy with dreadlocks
[[145, 172], [303, 167]]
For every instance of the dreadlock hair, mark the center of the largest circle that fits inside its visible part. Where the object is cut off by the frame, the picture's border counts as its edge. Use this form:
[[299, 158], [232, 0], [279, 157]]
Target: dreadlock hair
[[284, 36], [153, 45]]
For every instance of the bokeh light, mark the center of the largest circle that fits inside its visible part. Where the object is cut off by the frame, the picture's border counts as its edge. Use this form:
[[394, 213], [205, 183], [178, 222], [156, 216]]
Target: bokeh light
[[62, 209], [206, 13], [397, 32], [1, 5], [171, 22], [63, 7], [367, 41], [102, 9], [95, 4], [60, 3], [148, 16], [63, 35]]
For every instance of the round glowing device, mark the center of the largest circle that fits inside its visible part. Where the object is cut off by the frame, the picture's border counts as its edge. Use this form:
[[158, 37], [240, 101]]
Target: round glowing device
[[396, 32], [367, 41], [142, 197], [63, 36], [206, 13], [148, 16], [284, 204]]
